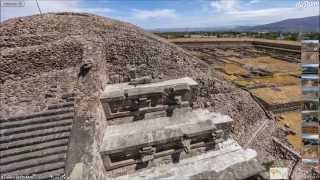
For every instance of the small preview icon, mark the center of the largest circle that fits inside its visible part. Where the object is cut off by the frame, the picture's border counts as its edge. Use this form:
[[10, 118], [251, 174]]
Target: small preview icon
[[279, 173]]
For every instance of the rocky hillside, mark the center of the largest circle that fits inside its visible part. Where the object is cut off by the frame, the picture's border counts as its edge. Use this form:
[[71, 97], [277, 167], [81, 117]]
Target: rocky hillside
[[36, 47]]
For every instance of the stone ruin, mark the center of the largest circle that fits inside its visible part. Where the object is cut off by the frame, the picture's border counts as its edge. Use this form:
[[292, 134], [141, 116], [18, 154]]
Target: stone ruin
[[60, 118], [37, 144], [155, 131]]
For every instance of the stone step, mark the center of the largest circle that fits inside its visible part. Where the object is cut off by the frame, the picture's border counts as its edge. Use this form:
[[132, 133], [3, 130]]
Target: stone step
[[180, 116], [37, 169], [54, 174], [117, 91], [145, 110], [136, 92], [144, 141], [36, 133], [68, 95], [220, 162], [38, 120], [61, 105], [34, 141], [33, 155], [152, 138], [39, 114], [33, 163], [34, 148], [71, 99], [34, 127]]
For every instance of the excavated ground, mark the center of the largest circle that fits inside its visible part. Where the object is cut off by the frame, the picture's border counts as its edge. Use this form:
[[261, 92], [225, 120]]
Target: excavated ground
[[275, 81], [41, 53]]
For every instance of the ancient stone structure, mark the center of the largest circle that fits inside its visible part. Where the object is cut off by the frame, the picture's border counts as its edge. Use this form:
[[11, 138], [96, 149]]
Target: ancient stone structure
[[277, 49], [46, 58], [152, 127], [155, 125], [134, 102], [37, 144]]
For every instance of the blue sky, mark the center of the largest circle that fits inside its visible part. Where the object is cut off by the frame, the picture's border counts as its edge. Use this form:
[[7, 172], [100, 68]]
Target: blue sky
[[152, 14]]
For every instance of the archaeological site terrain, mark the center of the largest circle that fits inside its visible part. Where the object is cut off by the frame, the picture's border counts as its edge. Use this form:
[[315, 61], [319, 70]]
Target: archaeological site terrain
[[88, 97]]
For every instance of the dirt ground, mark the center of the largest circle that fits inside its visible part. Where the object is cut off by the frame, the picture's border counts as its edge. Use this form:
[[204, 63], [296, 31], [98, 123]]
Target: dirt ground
[[272, 80]]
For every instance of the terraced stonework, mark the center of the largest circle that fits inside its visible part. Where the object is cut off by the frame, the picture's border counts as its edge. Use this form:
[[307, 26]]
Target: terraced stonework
[[36, 144], [44, 57]]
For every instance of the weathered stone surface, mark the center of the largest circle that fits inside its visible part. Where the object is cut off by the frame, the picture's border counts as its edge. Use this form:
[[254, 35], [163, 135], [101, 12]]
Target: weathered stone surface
[[117, 90], [216, 162], [46, 65], [36, 143], [161, 129]]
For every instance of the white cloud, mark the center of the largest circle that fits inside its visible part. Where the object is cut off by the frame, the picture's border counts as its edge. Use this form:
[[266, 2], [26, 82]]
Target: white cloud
[[224, 5], [159, 13], [31, 8], [254, 1], [232, 9], [261, 13], [279, 13]]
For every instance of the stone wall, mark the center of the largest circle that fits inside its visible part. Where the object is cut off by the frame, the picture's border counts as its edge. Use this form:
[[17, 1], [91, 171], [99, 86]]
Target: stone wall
[[23, 62], [288, 52]]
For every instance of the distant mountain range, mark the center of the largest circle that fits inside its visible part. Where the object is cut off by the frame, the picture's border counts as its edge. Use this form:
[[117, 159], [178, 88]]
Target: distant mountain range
[[193, 29], [306, 24]]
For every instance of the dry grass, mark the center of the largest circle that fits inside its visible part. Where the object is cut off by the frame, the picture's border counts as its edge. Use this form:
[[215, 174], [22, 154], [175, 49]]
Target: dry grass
[[279, 95], [271, 64], [233, 69], [293, 119], [276, 80], [230, 77]]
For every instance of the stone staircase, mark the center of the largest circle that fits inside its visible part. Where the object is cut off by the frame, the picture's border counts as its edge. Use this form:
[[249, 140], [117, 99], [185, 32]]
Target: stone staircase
[[36, 144], [168, 134]]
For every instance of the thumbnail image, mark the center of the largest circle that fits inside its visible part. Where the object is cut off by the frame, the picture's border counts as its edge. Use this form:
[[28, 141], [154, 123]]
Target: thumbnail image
[[310, 116], [311, 105], [310, 45], [310, 92], [310, 146], [310, 68], [310, 122], [310, 151], [310, 139], [309, 57], [315, 171], [310, 80], [310, 127], [310, 161]]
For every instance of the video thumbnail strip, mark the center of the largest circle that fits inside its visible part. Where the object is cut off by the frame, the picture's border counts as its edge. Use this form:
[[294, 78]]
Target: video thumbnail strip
[[310, 151]]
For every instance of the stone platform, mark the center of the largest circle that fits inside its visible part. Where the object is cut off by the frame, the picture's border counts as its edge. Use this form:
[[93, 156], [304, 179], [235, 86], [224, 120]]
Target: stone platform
[[229, 162], [184, 131], [125, 99], [171, 140]]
